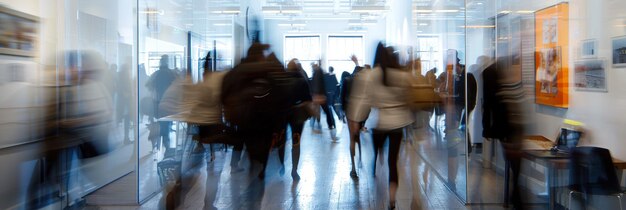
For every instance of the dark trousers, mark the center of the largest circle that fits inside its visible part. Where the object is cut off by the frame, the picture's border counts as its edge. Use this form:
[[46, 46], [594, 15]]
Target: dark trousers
[[329, 115], [258, 143], [513, 156], [395, 138], [164, 131]]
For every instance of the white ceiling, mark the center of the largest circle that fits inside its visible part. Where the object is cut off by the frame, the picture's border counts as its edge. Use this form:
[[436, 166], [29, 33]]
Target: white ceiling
[[201, 15]]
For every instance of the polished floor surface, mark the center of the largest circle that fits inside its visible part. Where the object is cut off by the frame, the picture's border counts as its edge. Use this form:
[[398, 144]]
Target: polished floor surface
[[325, 181]]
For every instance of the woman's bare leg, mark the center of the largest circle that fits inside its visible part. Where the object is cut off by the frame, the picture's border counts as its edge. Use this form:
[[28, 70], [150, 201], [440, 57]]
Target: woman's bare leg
[[354, 129]]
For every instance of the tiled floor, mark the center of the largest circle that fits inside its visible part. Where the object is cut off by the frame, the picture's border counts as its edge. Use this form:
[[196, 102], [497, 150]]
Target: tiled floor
[[325, 181]]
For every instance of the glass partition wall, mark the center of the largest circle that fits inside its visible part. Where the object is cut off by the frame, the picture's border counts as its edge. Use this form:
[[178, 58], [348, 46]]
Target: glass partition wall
[[120, 47], [175, 40], [82, 114], [68, 108], [441, 46]]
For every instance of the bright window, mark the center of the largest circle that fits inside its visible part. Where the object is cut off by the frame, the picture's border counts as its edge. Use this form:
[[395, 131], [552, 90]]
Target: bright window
[[429, 50], [339, 50], [307, 49]]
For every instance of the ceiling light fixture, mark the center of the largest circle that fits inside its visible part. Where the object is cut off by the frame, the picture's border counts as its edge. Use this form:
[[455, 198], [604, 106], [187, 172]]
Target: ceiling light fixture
[[153, 11], [361, 22], [299, 31], [355, 31], [423, 11], [435, 11], [292, 24], [225, 10], [446, 10], [478, 26], [369, 9], [282, 9]]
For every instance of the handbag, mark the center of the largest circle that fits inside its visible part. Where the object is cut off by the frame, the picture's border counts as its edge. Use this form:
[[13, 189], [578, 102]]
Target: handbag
[[421, 95], [216, 134], [302, 112], [312, 108]]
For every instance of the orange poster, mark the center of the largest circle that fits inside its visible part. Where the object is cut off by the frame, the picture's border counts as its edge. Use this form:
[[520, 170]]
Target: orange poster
[[551, 56]]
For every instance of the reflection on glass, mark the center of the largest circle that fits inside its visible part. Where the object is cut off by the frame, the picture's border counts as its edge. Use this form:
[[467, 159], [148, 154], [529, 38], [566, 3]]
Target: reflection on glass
[[441, 46]]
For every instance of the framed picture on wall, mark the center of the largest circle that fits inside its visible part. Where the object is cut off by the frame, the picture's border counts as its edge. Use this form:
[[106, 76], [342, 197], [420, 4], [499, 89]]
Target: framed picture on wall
[[590, 75], [550, 64], [551, 56], [589, 48], [618, 48], [18, 32]]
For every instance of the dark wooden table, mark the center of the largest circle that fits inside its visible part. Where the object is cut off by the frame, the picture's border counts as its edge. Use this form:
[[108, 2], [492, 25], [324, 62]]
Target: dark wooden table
[[553, 161]]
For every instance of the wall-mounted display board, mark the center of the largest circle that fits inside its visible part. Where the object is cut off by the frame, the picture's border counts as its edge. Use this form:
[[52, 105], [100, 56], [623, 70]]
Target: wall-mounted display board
[[590, 75], [618, 47], [18, 32], [551, 56]]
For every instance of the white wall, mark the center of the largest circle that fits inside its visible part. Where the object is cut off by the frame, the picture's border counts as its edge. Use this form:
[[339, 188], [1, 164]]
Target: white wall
[[602, 113], [400, 30]]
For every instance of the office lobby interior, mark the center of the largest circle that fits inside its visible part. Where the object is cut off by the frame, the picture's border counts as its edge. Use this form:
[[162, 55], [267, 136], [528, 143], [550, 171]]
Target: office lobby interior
[[83, 126]]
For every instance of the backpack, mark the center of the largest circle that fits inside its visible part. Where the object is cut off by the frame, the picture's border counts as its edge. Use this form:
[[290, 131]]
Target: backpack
[[259, 98]]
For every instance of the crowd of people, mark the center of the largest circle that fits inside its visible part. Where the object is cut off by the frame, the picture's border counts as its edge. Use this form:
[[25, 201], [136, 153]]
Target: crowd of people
[[257, 104]]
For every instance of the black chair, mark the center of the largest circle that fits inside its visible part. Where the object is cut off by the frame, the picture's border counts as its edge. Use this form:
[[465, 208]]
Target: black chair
[[592, 173]]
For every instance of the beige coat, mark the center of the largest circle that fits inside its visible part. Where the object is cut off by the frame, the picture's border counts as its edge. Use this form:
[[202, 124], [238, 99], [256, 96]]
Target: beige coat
[[369, 92], [208, 107]]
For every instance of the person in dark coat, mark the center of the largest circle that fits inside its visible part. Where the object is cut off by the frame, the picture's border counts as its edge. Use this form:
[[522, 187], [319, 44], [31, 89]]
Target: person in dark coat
[[159, 82], [319, 90], [298, 113], [504, 118], [257, 132], [316, 83], [471, 104], [345, 76], [332, 89]]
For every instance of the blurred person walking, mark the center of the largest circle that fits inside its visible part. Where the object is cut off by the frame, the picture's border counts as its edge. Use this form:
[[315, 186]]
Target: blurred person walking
[[332, 89], [253, 104], [505, 117], [320, 96], [384, 88], [452, 92], [207, 108], [78, 120], [331, 85], [297, 114], [316, 83], [354, 127], [158, 83], [341, 96], [124, 98]]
